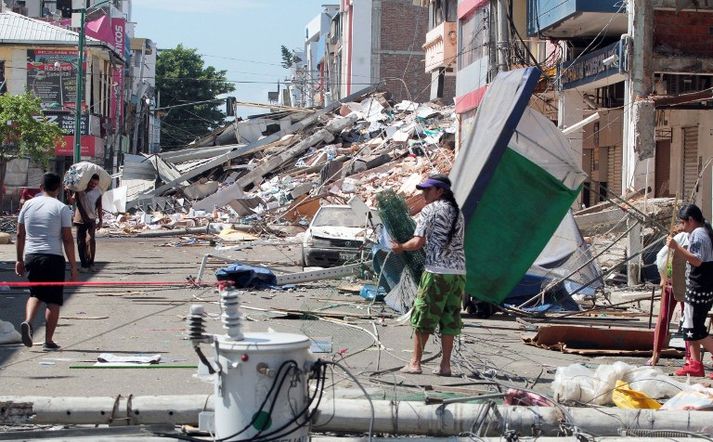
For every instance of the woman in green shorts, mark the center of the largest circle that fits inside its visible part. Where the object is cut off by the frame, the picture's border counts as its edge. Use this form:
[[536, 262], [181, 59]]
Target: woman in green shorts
[[438, 303]]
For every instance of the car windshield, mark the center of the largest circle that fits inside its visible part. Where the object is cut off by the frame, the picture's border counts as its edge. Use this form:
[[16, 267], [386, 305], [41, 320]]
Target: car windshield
[[338, 217]]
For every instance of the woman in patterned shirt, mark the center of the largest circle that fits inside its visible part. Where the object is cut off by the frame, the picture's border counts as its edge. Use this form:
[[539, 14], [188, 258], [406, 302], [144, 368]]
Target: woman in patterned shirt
[[699, 285], [438, 303]]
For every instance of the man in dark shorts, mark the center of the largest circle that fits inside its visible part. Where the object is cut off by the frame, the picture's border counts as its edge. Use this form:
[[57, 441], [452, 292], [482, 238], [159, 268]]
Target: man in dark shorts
[[87, 218], [44, 228]]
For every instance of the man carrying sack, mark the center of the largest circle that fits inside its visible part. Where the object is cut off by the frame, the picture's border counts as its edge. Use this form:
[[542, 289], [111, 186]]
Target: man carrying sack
[[87, 219]]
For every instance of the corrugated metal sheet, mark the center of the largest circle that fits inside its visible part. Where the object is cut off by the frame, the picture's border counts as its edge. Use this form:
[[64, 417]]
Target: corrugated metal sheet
[[16, 27]]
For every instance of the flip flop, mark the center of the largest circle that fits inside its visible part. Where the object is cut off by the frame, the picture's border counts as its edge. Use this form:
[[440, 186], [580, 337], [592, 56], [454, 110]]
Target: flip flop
[[445, 374], [409, 370]]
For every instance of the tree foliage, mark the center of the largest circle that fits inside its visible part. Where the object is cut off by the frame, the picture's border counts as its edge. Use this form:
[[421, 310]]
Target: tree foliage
[[289, 58], [182, 78], [24, 131]]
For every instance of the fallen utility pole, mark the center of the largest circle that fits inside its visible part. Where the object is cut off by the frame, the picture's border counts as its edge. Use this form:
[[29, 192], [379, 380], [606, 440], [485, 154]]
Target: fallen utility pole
[[415, 418], [174, 232], [355, 416]]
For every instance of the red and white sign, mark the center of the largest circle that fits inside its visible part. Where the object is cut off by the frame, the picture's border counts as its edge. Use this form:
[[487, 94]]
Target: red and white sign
[[87, 142]]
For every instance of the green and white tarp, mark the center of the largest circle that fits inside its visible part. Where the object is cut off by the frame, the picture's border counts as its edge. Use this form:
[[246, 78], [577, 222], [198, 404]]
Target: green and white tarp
[[515, 179]]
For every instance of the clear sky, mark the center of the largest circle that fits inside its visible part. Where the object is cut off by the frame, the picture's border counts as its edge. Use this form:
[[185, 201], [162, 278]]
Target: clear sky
[[240, 36]]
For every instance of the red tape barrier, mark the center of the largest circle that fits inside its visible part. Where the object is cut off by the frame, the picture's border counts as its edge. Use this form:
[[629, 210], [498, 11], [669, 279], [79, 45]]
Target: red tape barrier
[[98, 283]]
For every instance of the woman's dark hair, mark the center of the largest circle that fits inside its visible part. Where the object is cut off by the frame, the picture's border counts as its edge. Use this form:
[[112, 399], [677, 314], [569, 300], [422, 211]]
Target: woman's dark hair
[[694, 212], [451, 200]]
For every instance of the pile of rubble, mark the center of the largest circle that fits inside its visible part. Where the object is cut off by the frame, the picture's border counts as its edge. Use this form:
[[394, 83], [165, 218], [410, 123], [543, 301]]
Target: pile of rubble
[[288, 164]]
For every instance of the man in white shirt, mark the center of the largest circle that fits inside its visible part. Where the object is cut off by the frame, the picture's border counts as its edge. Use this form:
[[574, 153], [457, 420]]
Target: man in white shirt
[[88, 218], [44, 228]]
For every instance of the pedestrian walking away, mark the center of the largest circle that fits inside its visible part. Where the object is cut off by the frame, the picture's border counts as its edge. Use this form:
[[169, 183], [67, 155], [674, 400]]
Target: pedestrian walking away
[[440, 292], [87, 219], [44, 228], [699, 286]]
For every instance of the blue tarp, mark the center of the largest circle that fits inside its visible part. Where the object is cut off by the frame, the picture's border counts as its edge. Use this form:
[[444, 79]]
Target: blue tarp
[[247, 276]]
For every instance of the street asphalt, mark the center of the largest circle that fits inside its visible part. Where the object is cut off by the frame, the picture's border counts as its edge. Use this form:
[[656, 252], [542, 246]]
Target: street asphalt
[[127, 320]]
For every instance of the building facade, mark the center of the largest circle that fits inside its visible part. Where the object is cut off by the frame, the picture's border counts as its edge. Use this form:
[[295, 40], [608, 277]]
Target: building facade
[[41, 58], [492, 37], [375, 42], [441, 48], [115, 85], [315, 51], [141, 121], [643, 72]]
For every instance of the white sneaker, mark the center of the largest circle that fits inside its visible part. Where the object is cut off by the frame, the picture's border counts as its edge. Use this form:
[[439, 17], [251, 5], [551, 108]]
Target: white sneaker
[[84, 270], [93, 268]]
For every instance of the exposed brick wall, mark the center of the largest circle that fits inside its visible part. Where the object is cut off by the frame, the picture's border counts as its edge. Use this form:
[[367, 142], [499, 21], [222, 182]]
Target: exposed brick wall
[[403, 28], [683, 33], [417, 81], [403, 25]]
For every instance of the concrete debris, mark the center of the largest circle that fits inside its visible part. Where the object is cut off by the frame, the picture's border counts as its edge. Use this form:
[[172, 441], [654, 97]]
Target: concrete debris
[[283, 166]]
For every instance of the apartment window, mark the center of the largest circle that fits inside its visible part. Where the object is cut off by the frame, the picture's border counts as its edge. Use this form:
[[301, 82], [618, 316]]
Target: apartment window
[[19, 7], [443, 10], [473, 37], [65, 8], [49, 8]]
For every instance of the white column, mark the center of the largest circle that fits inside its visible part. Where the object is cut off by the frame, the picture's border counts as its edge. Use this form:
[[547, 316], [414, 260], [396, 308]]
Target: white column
[[639, 117], [639, 110], [571, 111]]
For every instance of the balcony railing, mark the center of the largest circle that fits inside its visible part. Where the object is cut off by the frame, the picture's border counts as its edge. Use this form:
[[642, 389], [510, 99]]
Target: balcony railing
[[441, 46]]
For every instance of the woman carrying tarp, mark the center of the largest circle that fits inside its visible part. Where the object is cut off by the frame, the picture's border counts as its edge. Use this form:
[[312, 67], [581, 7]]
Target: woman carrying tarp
[[699, 285], [440, 291]]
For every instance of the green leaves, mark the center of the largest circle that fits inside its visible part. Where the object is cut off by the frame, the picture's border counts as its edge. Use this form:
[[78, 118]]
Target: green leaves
[[289, 58], [181, 78], [24, 131]]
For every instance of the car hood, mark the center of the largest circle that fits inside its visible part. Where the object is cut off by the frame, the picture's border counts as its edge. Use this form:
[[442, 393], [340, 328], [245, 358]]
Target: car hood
[[347, 233]]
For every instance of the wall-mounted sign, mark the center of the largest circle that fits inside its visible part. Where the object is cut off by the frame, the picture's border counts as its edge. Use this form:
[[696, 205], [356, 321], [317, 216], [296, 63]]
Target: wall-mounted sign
[[87, 142], [66, 121], [52, 76], [591, 67]]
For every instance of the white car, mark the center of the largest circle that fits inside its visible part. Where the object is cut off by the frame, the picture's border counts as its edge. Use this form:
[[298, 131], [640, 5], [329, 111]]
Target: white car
[[336, 235]]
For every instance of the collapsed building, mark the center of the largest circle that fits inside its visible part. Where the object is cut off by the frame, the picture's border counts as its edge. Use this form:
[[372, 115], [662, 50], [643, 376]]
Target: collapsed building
[[279, 165]]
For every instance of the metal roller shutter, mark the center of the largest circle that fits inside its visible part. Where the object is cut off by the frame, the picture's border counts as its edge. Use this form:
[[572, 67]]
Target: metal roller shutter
[[614, 160], [691, 165]]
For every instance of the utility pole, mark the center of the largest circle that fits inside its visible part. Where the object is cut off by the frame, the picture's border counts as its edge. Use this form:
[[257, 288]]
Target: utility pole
[[80, 88], [139, 103], [80, 7], [639, 116], [503, 34]]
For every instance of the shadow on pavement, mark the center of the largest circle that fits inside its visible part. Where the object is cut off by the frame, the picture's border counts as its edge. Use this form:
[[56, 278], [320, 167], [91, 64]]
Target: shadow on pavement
[[12, 305]]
